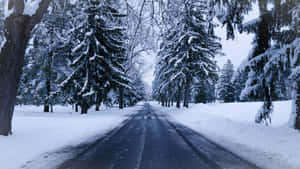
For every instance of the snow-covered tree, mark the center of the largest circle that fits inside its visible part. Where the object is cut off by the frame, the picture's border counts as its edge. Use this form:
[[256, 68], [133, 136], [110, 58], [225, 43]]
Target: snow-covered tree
[[204, 92], [274, 55], [188, 48], [239, 79], [45, 61], [137, 92], [225, 86], [99, 55]]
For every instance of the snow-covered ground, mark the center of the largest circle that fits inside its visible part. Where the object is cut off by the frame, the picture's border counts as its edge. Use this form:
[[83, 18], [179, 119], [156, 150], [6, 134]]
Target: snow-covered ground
[[232, 126], [36, 134]]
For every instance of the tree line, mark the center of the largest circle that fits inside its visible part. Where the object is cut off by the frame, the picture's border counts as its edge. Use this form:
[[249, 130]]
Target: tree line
[[84, 53], [103, 41], [186, 70], [78, 55]]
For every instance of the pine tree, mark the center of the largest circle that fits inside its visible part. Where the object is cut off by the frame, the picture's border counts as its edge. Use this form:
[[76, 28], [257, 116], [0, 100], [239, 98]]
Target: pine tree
[[98, 66], [137, 91], [267, 61], [188, 50], [45, 66], [239, 79], [204, 92], [225, 86]]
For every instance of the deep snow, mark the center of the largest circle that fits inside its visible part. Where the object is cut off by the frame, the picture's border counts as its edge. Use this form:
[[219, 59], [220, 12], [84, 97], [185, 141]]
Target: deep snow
[[232, 126], [36, 134]]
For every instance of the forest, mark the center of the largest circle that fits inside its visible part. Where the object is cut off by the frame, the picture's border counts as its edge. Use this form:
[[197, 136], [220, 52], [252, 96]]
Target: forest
[[89, 53]]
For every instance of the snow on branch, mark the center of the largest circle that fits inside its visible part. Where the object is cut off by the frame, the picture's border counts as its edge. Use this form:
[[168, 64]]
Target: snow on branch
[[25, 7], [251, 26], [2, 44], [31, 6]]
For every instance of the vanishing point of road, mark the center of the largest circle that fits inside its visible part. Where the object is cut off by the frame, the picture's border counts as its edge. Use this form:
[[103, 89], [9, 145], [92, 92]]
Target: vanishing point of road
[[148, 140]]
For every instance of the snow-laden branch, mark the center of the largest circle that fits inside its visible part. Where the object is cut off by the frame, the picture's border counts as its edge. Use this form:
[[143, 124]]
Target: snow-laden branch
[[2, 44], [31, 6]]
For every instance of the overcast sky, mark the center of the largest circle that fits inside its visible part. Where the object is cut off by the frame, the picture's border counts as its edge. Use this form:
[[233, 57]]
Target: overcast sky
[[236, 50]]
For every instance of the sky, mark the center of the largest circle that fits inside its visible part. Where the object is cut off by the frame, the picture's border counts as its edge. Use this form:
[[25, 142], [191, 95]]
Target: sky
[[236, 50]]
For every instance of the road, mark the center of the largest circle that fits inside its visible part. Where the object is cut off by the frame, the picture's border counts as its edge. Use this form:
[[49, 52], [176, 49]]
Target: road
[[148, 140]]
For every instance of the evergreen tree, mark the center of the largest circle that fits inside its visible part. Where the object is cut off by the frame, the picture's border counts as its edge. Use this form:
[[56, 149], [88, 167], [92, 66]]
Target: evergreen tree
[[137, 91], [267, 61], [98, 66], [45, 66], [188, 50], [204, 92], [225, 86], [239, 79]]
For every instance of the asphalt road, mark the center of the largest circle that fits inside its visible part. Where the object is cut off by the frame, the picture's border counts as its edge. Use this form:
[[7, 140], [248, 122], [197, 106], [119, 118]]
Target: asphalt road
[[148, 140]]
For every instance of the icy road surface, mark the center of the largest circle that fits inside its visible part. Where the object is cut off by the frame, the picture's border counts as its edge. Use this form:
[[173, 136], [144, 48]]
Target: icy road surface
[[148, 140]]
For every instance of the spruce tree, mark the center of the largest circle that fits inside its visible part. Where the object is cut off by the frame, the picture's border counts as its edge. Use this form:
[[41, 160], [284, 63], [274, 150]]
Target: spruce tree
[[239, 79], [279, 25], [189, 50], [267, 68], [98, 64], [225, 86], [204, 91]]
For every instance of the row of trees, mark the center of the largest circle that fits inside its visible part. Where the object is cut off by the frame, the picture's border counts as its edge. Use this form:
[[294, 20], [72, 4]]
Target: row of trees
[[275, 55], [188, 47], [184, 60], [77, 52], [79, 55], [231, 85]]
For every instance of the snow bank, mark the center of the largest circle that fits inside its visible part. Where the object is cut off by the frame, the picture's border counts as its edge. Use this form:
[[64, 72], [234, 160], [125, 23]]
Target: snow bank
[[232, 126], [35, 132]]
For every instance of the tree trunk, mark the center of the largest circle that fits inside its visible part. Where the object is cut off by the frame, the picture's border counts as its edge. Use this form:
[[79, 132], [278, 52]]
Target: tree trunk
[[98, 102], [46, 108], [18, 28], [47, 101], [97, 107], [76, 107], [121, 99], [11, 62], [84, 108], [178, 97], [264, 114], [297, 106], [187, 92], [48, 81]]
